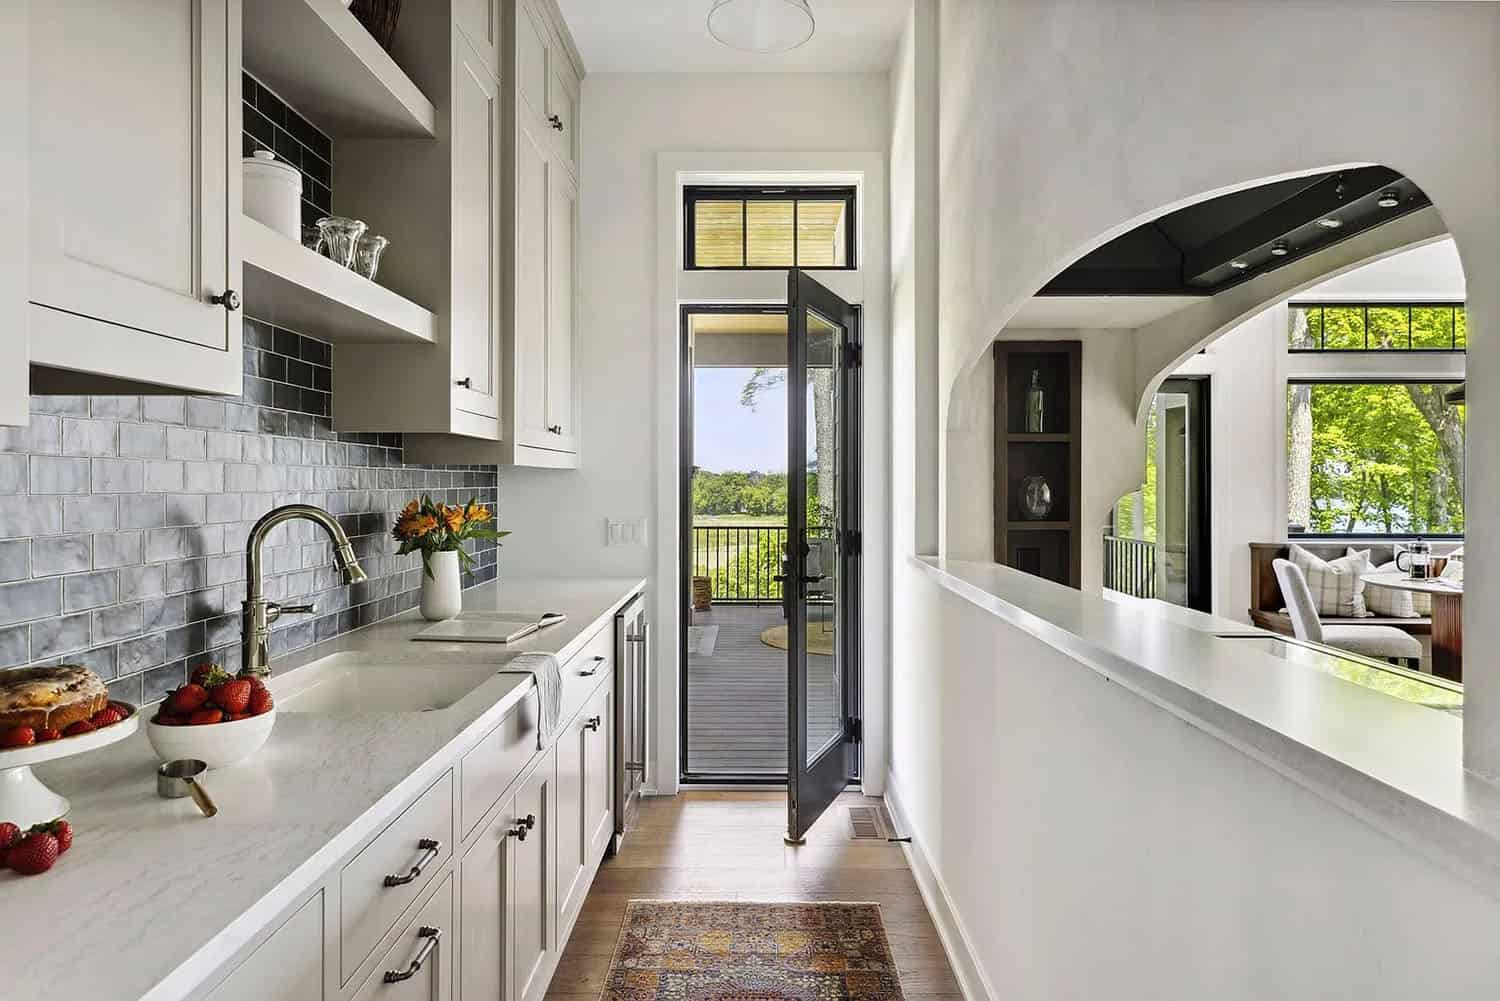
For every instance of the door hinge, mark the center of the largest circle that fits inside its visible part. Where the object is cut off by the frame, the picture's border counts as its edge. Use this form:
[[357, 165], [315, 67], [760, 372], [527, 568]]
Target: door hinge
[[854, 730], [854, 355], [853, 542]]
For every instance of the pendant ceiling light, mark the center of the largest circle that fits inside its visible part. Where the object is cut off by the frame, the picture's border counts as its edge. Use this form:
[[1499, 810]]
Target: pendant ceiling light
[[761, 25]]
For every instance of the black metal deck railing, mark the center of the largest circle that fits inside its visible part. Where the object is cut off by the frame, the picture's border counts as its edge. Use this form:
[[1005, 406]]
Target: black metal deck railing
[[742, 561], [1130, 566]]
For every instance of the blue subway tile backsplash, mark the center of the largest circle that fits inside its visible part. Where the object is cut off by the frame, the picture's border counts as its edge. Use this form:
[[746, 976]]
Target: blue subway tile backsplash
[[123, 519]]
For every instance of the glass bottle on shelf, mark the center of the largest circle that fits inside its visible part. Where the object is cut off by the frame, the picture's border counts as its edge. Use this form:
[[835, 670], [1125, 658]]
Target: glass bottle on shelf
[[1035, 404]]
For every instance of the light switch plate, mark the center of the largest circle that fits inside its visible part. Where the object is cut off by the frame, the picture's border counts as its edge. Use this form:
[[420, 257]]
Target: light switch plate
[[625, 531]]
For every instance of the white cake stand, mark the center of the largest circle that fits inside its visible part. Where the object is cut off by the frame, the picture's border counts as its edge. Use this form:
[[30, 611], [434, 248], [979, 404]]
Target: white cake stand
[[24, 798]]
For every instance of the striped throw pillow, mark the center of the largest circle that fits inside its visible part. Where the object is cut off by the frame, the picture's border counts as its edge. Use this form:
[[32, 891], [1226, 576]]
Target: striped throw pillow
[[1338, 587]]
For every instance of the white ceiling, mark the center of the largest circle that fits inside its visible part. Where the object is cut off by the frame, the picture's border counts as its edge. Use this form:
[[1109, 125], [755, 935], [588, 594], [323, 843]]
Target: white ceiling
[[671, 36], [1097, 312]]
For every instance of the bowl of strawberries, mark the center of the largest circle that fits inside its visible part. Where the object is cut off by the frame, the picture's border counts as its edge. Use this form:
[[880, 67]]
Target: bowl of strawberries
[[217, 717]]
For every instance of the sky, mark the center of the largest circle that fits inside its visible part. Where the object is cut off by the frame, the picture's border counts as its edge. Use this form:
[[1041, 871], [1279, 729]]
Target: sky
[[730, 437]]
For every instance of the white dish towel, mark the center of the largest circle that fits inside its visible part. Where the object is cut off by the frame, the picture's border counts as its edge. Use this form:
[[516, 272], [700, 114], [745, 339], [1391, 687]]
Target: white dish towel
[[548, 674]]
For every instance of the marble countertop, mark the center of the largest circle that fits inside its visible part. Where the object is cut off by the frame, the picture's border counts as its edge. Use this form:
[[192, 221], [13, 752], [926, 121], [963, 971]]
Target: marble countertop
[[1397, 765], [153, 897]]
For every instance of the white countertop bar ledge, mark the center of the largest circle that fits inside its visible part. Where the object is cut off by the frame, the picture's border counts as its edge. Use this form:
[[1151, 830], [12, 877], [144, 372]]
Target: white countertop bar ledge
[[1396, 765]]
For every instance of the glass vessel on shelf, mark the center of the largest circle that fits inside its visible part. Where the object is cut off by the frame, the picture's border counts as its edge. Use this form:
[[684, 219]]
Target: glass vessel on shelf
[[1036, 498], [367, 254], [340, 238], [1035, 404]]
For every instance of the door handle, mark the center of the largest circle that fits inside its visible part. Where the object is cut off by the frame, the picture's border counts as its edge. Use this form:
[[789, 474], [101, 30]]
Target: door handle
[[466, 382], [556, 122], [522, 826], [229, 299], [593, 723]]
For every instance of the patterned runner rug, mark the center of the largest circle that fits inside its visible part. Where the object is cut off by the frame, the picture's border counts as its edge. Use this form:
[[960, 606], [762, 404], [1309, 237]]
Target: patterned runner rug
[[691, 950]]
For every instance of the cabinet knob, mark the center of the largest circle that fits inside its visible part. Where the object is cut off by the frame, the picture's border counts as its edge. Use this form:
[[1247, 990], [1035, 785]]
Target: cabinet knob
[[593, 723], [554, 429], [465, 382], [555, 122], [229, 299], [522, 826]]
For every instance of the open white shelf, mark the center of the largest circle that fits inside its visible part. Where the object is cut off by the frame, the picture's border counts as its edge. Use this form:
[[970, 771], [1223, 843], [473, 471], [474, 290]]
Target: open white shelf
[[290, 286], [321, 61]]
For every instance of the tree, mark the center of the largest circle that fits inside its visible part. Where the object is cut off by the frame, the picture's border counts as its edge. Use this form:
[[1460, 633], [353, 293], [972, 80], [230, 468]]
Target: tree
[[821, 502], [1299, 430]]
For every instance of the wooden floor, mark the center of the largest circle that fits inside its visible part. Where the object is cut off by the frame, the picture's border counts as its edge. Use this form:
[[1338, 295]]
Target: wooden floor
[[736, 713], [712, 845]]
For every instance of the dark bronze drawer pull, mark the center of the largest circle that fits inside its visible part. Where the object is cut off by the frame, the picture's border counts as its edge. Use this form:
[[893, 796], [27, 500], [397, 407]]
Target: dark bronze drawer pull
[[430, 849], [522, 826], [429, 936], [593, 723], [598, 663]]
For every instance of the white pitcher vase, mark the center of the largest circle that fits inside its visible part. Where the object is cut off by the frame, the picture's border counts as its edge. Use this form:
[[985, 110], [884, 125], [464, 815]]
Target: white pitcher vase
[[441, 596]]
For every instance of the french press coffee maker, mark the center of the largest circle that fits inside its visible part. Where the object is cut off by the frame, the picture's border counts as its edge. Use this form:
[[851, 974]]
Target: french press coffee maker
[[1418, 555]]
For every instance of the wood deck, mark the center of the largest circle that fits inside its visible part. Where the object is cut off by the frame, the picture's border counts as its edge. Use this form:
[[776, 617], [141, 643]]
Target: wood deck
[[737, 696]]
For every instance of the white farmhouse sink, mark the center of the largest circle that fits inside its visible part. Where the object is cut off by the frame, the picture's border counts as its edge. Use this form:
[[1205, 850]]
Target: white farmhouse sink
[[349, 683]]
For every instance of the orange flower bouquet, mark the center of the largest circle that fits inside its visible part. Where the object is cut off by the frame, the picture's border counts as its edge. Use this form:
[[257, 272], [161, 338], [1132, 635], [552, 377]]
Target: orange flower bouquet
[[439, 528]]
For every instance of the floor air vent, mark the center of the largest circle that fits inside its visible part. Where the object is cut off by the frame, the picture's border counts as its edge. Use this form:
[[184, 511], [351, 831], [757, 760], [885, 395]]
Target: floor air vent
[[868, 823]]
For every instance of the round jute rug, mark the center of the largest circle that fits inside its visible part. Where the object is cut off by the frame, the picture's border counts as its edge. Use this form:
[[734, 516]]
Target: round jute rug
[[819, 638]]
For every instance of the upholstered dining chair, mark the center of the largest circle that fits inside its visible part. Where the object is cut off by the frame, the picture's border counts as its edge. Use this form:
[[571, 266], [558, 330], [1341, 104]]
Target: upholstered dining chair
[[1380, 642]]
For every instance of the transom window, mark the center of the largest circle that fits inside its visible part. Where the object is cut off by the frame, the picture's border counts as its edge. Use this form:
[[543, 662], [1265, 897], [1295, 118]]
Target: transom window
[[744, 228], [1377, 326]]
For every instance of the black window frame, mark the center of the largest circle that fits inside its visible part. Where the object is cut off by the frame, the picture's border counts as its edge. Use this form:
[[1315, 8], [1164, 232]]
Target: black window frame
[[1373, 381], [692, 194], [1407, 304]]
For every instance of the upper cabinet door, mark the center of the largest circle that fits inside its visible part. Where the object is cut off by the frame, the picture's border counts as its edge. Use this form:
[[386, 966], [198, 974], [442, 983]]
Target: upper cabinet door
[[531, 64], [562, 108], [135, 120], [562, 228], [474, 320], [480, 21], [529, 378]]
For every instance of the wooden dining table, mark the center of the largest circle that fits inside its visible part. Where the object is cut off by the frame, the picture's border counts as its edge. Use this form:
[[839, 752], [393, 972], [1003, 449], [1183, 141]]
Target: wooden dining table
[[1447, 616]]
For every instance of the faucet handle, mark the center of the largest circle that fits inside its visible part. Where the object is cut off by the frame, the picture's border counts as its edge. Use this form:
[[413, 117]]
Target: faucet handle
[[275, 611]]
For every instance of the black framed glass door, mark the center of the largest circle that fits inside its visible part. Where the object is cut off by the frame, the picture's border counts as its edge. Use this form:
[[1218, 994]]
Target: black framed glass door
[[821, 566]]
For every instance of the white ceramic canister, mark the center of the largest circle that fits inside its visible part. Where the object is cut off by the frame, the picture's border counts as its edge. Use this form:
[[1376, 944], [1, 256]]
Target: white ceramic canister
[[273, 193]]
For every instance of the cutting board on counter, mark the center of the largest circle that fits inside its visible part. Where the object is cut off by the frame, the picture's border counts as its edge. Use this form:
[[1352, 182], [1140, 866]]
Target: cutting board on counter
[[489, 627]]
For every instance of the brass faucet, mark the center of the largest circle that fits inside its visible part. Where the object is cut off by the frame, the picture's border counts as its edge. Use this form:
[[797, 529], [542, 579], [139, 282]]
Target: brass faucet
[[259, 613]]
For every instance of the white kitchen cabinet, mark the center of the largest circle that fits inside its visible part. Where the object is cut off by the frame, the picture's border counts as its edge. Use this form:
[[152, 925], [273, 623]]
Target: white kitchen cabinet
[[134, 145], [288, 966], [419, 967], [540, 104], [480, 21], [585, 802], [508, 897]]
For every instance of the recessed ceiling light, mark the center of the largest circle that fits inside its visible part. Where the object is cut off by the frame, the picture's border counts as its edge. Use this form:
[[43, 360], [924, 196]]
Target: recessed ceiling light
[[1280, 249], [1389, 198], [1330, 223], [764, 26], [1239, 265]]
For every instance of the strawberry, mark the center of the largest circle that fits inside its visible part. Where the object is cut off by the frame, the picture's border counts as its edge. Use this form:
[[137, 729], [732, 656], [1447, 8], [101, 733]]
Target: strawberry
[[260, 701], [204, 716], [201, 673], [188, 698], [168, 719], [8, 834], [106, 716], [257, 683], [82, 726], [33, 854], [18, 736], [47, 733], [232, 696], [59, 829], [235, 717]]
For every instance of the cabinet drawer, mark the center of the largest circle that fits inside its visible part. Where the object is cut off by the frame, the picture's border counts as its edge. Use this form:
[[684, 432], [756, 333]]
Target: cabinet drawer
[[582, 674], [288, 966], [419, 967], [493, 764], [368, 907]]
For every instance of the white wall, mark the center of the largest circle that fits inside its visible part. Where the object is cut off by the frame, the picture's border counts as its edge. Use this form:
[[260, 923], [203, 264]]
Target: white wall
[[1093, 845], [15, 401], [628, 119], [1114, 451]]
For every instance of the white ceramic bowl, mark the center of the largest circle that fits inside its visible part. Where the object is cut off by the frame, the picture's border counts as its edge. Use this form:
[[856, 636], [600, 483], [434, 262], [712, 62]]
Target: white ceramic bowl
[[217, 744]]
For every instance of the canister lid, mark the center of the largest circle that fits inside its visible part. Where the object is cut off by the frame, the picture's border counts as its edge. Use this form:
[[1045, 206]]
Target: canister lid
[[265, 164]]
